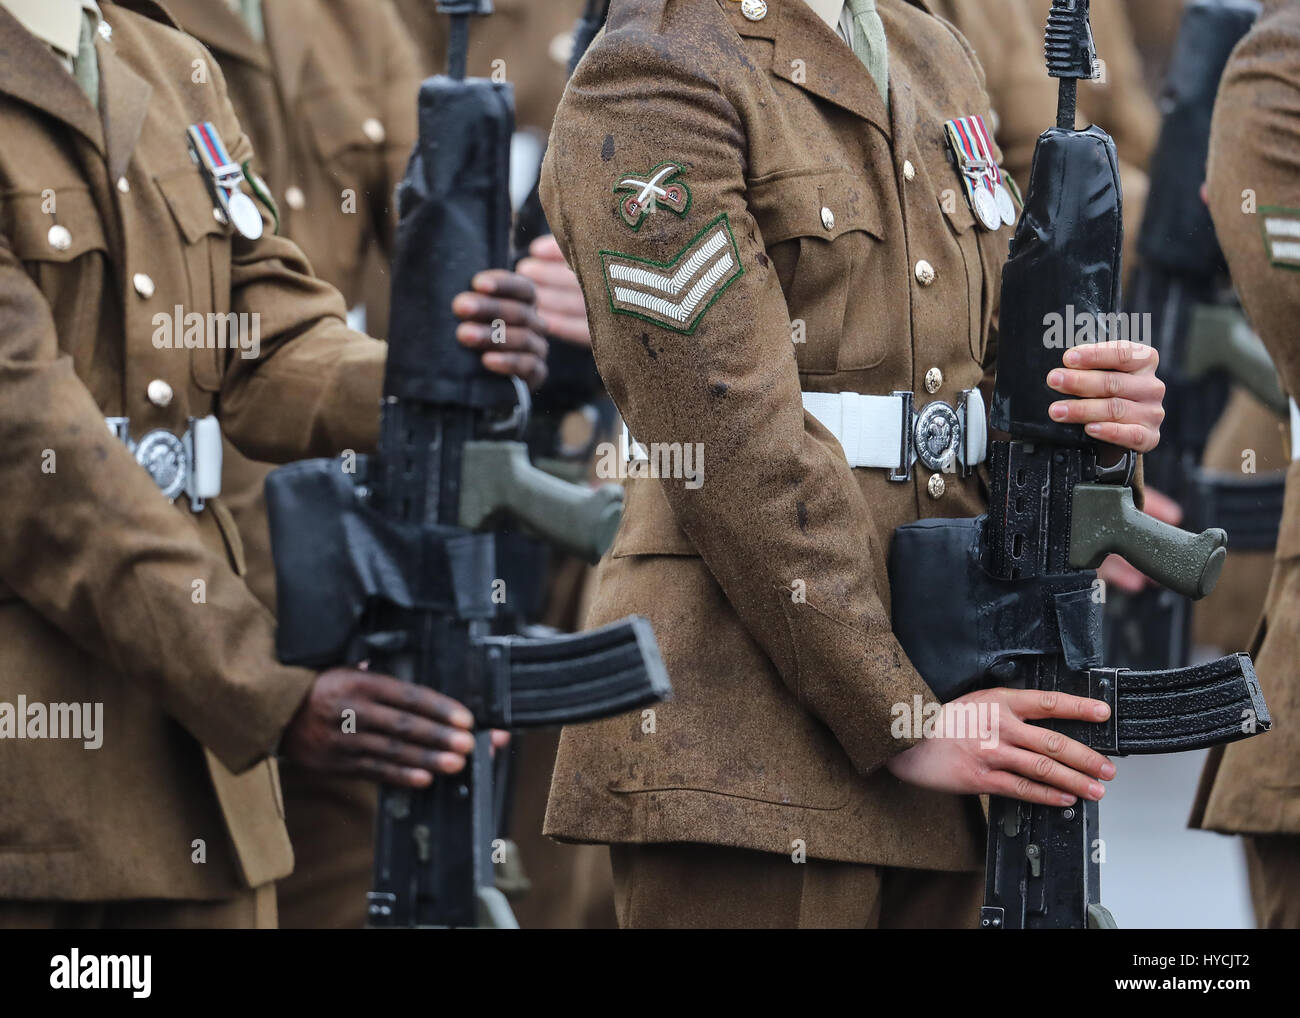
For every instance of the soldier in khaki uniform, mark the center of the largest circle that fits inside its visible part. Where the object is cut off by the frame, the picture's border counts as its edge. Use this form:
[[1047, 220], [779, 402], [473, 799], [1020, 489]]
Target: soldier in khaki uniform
[[326, 92], [757, 214], [110, 595], [1253, 787]]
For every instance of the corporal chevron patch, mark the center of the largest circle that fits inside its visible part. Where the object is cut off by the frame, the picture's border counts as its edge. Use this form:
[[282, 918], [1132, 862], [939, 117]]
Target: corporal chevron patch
[[675, 294], [1282, 236]]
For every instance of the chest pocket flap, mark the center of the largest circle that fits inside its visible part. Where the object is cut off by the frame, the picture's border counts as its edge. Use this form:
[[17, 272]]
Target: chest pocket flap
[[823, 230], [54, 226]]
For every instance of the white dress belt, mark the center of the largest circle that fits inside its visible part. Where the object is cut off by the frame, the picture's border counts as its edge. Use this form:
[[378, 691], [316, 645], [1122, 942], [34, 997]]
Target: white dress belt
[[188, 464], [1295, 430], [887, 433]]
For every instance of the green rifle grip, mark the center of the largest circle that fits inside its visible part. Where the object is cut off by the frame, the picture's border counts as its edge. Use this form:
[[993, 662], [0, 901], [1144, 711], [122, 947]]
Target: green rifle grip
[[1105, 520], [497, 477], [1221, 340]]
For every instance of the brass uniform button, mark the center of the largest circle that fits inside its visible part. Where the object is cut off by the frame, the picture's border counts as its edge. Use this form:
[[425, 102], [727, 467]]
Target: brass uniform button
[[106, 31], [936, 485], [909, 171], [60, 238], [294, 198], [159, 393], [143, 285], [828, 218], [924, 272], [374, 130], [933, 380], [123, 185], [754, 10]]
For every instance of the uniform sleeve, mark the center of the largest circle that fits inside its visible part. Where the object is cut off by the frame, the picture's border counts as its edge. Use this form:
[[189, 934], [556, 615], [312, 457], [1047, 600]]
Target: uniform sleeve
[[1254, 183], [91, 546], [314, 387], [692, 335]]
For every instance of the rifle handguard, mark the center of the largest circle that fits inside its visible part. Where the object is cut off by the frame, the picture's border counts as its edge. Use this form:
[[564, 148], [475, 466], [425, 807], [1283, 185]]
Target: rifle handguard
[[1106, 521], [497, 477]]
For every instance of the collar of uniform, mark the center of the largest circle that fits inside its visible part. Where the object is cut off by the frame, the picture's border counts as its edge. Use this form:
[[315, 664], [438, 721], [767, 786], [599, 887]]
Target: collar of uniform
[[829, 11], [32, 73], [56, 23], [811, 55], [123, 101], [220, 29]]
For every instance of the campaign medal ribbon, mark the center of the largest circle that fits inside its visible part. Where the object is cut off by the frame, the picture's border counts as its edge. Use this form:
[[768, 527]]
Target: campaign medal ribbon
[[1001, 196], [974, 169], [224, 177]]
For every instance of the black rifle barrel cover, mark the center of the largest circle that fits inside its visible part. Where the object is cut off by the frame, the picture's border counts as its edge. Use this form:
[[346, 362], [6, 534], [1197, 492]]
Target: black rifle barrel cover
[[1064, 266], [456, 181]]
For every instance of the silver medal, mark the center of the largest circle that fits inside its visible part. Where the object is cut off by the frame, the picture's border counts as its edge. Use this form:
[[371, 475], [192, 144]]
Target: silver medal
[[244, 215], [1006, 207], [986, 208]]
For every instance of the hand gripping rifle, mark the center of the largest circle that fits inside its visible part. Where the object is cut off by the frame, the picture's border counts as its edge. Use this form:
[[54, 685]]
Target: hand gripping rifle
[[1201, 334], [393, 561], [1020, 596]]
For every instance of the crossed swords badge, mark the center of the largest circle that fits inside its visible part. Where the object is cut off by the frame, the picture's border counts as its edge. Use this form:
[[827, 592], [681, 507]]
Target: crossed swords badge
[[648, 191]]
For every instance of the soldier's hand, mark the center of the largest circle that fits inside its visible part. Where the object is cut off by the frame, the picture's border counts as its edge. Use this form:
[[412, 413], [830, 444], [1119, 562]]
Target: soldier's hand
[[559, 297], [1121, 399], [1016, 760], [397, 733], [499, 318]]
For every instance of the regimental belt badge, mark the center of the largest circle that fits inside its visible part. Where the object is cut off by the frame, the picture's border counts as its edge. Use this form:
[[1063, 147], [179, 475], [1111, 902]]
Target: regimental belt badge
[[643, 193]]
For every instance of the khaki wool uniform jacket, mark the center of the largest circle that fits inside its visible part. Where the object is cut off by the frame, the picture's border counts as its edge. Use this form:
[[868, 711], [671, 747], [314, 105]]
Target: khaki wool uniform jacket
[[105, 223], [846, 229], [1253, 787], [328, 103]]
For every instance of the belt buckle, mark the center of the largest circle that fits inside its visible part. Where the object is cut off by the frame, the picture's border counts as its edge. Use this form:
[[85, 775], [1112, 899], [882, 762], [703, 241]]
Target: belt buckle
[[167, 461], [937, 436]]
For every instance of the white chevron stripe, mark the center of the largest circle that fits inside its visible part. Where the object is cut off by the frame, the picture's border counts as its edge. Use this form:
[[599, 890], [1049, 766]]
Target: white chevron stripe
[[656, 279], [1282, 227], [682, 310]]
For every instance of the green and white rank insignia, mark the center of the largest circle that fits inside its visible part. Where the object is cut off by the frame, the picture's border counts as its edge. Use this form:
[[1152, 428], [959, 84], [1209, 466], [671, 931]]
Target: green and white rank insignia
[[644, 193], [675, 294], [1282, 236]]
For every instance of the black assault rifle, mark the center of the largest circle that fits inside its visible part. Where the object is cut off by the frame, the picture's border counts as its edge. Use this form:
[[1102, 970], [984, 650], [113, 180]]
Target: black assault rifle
[[1020, 601], [1202, 336], [393, 560]]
